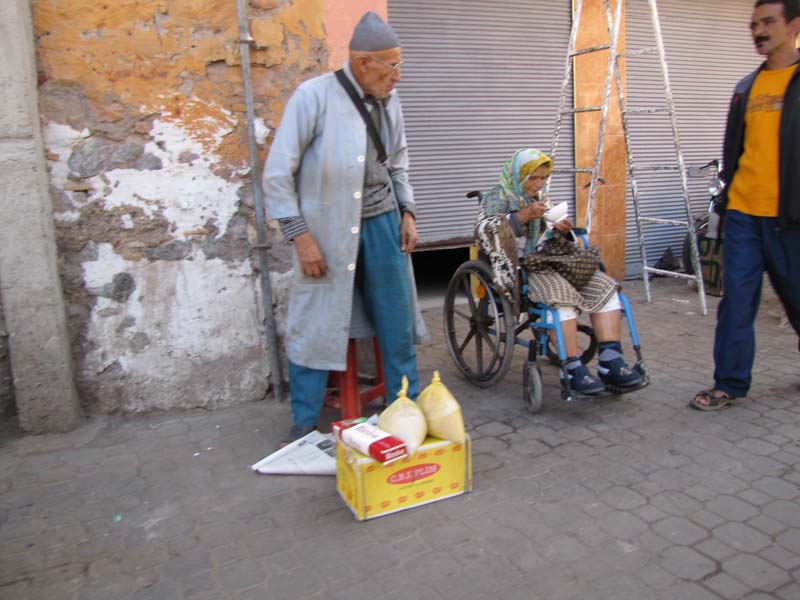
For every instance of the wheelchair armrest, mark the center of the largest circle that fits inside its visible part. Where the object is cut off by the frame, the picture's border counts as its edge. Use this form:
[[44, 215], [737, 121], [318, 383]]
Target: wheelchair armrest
[[581, 234], [475, 194]]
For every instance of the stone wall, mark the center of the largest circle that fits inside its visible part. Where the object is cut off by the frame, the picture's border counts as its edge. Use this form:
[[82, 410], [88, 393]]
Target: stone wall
[[7, 407], [143, 119]]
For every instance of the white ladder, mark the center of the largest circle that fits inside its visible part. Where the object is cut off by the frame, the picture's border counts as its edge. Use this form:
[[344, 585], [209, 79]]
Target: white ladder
[[614, 24]]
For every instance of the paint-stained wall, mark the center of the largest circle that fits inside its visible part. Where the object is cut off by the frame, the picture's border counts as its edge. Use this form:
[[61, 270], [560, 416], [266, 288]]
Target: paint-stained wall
[[143, 118], [608, 217], [7, 407]]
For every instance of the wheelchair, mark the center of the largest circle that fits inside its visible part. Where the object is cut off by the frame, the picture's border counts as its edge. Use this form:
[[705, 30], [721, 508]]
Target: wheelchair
[[482, 331]]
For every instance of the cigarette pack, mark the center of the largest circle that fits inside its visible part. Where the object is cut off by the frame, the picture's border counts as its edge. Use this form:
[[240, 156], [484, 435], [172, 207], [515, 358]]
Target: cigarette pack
[[374, 442], [338, 426]]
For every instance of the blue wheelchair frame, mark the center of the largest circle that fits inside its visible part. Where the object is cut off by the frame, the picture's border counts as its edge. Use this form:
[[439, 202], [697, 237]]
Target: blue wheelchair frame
[[542, 320]]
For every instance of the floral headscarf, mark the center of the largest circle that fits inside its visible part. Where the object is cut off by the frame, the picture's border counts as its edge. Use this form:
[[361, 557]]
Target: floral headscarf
[[521, 166]]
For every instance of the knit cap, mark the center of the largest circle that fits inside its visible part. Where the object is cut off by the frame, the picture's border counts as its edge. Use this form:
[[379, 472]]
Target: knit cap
[[373, 34]]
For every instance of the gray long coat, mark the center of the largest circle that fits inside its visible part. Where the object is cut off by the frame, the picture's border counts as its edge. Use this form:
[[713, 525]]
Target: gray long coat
[[315, 168]]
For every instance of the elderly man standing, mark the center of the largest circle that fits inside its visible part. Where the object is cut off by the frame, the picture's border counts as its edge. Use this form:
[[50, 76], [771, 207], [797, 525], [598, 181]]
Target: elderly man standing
[[341, 195]]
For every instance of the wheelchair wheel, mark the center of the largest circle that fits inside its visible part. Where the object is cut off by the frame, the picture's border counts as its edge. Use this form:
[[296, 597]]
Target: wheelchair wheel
[[532, 387], [588, 339], [478, 325]]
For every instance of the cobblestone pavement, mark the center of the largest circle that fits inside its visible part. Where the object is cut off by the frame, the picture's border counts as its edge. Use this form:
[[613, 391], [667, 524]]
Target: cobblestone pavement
[[632, 497]]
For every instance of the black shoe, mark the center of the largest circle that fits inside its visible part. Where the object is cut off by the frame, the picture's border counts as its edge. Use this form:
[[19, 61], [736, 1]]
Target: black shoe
[[295, 433], [582, 381], [616, 374]]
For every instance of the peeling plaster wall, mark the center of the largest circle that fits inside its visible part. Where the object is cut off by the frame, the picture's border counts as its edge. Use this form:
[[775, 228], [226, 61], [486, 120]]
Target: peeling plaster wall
[[8, 409], [143, 119]]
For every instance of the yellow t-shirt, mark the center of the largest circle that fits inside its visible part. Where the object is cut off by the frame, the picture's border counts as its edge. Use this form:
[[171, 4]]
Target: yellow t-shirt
[[754, 189]]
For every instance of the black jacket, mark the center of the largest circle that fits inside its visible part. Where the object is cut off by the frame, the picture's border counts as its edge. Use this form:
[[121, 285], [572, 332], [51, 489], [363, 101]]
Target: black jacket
[[789, 152]]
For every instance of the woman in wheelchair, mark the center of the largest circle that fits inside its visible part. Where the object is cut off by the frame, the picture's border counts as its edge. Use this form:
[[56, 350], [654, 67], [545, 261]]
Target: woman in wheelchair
[[512, 231]]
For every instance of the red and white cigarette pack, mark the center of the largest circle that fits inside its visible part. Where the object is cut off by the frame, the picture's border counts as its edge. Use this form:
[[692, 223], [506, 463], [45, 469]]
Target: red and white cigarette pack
[[338, 426], [370, 440]]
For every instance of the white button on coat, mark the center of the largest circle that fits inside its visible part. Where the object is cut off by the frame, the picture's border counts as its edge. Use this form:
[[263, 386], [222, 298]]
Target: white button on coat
[[361, 158], [357, 195], [351, 267], [354, 230]]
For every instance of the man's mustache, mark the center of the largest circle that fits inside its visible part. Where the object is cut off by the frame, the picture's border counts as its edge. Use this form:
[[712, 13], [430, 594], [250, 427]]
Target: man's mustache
[[761, 38]]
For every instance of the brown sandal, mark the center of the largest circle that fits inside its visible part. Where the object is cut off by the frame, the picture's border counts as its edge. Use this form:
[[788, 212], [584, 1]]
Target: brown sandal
[[711, 400]]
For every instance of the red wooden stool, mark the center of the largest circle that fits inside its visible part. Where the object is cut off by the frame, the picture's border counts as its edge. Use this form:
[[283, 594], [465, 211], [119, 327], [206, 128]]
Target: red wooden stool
[[343, 388]]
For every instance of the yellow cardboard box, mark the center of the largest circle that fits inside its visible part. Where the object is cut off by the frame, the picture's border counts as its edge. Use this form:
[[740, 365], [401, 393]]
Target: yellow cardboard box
[[439, 469]]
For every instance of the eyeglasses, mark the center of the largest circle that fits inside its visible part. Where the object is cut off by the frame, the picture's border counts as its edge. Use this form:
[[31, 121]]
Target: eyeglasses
[[394, 68]]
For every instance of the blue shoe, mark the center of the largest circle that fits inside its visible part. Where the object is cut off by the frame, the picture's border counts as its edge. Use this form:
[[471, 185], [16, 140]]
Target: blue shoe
[[617, 375], [582, 381]]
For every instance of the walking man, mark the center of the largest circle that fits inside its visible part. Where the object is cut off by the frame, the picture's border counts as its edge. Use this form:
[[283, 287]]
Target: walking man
[[342, 197], [762, 206]]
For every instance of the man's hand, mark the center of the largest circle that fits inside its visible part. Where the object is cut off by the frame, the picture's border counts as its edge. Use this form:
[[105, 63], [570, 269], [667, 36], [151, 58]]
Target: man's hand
[[408, 233], [311, 261]]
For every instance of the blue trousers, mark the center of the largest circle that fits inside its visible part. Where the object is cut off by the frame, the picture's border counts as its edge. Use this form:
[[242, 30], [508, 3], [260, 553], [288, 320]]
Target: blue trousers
[[752, 245], [382, 279]]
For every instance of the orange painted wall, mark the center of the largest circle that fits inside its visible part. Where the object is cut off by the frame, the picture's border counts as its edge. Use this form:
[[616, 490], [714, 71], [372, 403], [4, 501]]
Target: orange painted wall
[[135, 58], [341, 17], [608, 218], [143, 115]]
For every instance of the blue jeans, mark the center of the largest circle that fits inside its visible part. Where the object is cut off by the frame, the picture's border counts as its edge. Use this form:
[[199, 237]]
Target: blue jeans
[[752, 245], [382, 279]]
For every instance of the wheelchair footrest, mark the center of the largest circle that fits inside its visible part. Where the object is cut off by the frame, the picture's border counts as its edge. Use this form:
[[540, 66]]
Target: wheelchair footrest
[[612, 390]]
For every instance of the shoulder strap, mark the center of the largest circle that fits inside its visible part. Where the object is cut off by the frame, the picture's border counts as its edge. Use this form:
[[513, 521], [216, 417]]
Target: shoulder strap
[[359, 103]]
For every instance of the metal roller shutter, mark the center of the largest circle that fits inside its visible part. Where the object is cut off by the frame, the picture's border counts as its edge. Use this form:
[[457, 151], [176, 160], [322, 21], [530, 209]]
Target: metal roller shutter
[[481, 80], [708, 50]]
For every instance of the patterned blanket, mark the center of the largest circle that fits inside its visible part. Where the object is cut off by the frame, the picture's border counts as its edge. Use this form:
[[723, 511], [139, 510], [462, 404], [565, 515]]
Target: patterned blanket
[[496, 238]]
